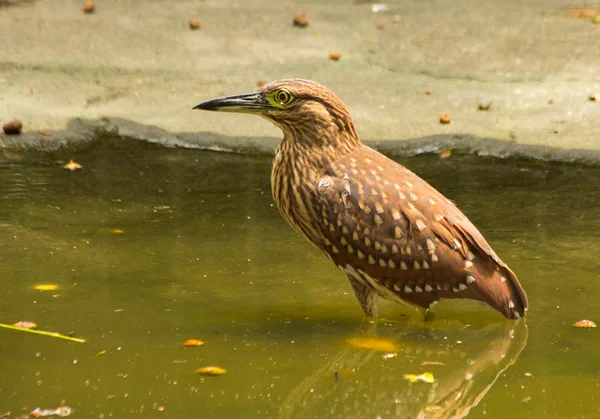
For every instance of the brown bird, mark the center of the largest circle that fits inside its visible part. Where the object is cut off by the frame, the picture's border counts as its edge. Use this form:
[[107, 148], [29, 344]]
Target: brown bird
[[393, 234]]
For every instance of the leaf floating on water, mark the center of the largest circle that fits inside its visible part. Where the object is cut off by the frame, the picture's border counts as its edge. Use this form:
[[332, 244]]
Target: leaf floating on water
[[26, 325], [117, 231], [46, 287], [71, 165], [381, 345], [390, 356], [426, 377], [211, 371], [193, 342], [584, 323], [102, 352], [59, 411]]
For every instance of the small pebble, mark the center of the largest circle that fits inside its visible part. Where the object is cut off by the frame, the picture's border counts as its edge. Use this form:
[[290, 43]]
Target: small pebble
[[260, 83], [194, 23], [335, 55], [595, 97], [301, 20], [397, 19], [89, 6], [444, 118], [13, 127], [484, 105], [379, 25], [428, 92]]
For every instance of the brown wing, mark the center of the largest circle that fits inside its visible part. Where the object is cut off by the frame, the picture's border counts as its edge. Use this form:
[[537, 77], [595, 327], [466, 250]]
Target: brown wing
[[387, 227]]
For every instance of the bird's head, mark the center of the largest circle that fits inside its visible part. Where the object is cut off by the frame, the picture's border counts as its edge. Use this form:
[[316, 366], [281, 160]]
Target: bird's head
[[296, 106]]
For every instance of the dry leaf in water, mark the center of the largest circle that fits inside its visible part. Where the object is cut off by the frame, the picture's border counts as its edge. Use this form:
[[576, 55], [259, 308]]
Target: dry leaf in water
[[585, 324], [212, 371], [71, 165], [46, 287], [26, 325], [445, 154], [193, 342]]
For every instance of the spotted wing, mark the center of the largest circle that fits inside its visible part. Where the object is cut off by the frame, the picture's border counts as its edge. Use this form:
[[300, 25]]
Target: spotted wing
[[391, 230]]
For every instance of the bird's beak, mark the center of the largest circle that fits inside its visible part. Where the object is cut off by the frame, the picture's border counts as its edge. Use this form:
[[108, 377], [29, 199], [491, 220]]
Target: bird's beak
[[244, 103]]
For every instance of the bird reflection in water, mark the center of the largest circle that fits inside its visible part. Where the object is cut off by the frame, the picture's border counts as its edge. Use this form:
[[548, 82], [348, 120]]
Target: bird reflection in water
[[465, 363]]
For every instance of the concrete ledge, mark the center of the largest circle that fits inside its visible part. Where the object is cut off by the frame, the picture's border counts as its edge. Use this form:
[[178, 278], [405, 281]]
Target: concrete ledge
[[138, 61]]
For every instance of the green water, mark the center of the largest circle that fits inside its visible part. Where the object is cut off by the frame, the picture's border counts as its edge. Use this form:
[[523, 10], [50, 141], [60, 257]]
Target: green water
[[204, 254]]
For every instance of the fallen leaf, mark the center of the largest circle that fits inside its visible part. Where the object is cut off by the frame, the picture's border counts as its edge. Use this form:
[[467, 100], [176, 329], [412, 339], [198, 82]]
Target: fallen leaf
[[193, 342], [582, 13], [335, 55], [584, 323], [102, 352], [445, 154], [46, 287], [381, 345], [210, 371], [71, 165]]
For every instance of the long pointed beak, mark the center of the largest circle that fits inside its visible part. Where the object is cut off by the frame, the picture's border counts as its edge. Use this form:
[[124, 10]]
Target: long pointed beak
[[245, 103]]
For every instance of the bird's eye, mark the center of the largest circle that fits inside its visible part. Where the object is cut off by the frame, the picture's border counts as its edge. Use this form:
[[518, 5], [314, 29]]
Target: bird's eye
[[283, 97]]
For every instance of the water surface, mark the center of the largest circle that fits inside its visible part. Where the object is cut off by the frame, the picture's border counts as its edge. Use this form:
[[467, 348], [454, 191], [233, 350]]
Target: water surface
[[204, 254]]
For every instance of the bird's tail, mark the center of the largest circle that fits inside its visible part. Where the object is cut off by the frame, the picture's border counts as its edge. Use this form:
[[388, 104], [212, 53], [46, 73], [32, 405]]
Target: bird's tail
[[501, 290]]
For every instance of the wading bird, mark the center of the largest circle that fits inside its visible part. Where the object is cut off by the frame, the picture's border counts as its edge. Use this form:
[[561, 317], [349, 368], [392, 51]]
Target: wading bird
[[393, 234]]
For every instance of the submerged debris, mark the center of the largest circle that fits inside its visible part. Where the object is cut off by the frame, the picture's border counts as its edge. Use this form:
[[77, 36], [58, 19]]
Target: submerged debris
[[377, 344]]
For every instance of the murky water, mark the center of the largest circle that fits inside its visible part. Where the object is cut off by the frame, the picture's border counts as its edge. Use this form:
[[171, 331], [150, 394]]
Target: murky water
[[204, 254]]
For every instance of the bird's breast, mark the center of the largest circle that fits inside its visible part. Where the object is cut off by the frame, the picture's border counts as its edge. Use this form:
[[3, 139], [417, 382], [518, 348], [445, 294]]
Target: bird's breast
[[293, 185]]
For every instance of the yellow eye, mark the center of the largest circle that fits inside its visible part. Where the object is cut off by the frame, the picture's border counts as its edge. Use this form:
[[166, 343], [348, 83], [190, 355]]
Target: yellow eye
[[283, 96]]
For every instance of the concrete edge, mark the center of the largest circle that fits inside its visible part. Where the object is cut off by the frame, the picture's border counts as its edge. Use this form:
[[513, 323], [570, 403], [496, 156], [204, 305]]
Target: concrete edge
[[81, 134]]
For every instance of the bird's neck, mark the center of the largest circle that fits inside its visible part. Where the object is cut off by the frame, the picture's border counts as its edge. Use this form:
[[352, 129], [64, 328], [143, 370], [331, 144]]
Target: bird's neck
[[321, 147]]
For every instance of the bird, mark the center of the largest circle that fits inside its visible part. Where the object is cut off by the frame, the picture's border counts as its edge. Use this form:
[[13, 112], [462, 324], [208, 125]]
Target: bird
[[388, 230]]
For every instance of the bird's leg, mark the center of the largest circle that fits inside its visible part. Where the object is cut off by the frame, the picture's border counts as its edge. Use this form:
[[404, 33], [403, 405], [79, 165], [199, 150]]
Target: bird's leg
[[366, 296]]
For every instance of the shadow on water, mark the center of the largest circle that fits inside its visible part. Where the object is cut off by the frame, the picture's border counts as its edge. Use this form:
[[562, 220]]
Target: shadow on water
[[151, 246]]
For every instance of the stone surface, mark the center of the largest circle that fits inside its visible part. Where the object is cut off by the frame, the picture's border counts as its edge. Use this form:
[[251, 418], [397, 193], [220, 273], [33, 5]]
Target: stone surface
[[138, 61]]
